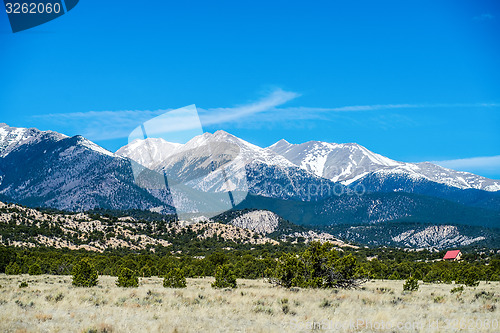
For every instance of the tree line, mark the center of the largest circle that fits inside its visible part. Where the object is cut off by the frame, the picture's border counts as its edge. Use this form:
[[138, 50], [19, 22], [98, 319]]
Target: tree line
[[317, 265]]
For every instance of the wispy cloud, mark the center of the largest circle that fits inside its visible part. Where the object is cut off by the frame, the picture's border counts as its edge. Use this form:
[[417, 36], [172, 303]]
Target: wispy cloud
[[484, 17], [217, 116], [487, 164], [107, 125], [279, 114]]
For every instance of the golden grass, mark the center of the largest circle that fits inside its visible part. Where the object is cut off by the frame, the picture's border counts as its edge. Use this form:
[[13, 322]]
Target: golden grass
[[51, 304]]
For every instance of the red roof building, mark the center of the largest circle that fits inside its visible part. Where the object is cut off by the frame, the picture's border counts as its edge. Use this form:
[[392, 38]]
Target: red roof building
[[453, 255]]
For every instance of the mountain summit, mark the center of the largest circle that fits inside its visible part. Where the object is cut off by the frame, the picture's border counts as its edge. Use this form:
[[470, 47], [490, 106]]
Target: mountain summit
[[350, 162], [346, 163]]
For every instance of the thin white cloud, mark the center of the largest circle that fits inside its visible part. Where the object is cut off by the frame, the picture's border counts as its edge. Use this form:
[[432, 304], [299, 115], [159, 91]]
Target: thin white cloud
[[484, 17], [484, 164], [217, 116], [107, 125], [377, 107], [280, 114]]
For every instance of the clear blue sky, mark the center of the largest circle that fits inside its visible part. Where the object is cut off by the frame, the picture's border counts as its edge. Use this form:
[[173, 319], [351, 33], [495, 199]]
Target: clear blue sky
[[412, 80]]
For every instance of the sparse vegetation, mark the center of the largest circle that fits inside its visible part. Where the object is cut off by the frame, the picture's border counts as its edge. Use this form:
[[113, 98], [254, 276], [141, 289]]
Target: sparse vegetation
[[260, 307]]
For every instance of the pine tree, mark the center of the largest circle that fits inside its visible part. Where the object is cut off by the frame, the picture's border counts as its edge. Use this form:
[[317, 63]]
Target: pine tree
[[174, 279], [224, 277], [319, 266], [411, 284], [84, 274], [127, 278], [146, 271]]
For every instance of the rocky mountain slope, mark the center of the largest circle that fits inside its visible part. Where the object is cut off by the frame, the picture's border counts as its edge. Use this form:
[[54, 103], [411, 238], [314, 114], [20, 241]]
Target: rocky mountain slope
[[268, 223], [417, 235], [374, 208], [21, 226], [47, 169]]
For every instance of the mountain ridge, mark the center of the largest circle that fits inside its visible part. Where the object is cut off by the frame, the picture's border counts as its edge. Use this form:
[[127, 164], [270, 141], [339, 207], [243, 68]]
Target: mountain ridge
[[345, 163], [47, 169]]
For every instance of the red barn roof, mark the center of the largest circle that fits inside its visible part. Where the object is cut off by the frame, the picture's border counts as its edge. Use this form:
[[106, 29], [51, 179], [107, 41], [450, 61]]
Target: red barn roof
[[451, 254]]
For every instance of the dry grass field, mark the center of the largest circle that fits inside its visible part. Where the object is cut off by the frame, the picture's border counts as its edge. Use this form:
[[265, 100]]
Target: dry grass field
[[51, 304]]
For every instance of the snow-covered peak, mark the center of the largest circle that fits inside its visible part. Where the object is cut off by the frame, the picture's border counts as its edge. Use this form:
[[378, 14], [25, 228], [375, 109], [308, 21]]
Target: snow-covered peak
[[148, 152], [247, 151], [84, 142], [209, 138], [349, 162], [13, 137], [281, 145], [338, 162], [154, 153], [345, 162]]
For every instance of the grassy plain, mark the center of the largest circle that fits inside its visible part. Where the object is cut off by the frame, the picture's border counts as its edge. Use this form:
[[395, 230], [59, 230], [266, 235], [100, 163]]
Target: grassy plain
[[51, 304]]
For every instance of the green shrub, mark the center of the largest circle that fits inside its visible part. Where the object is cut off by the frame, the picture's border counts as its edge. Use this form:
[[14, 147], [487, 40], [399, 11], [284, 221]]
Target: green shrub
[[485, 294], [325, 303], [35, 270], [13, 269], [84, 274], [458, 289], [439, 299], [127, 278], [174, 279], [319, 266], [23, 284], [224, 277], [411, 284]]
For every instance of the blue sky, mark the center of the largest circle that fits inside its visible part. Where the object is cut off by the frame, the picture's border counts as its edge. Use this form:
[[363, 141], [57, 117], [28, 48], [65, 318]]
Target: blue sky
[[412, 80]]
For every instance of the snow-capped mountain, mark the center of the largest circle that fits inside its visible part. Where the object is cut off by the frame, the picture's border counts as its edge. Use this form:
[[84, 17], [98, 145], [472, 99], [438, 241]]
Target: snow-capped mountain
[[350, 162], [148, 152], [157, 153], [307, 171], [338, 162], [221, 162], [48, 169], [13, 137]]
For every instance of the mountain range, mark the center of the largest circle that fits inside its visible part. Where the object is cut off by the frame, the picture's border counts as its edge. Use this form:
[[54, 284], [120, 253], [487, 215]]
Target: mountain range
[[313, 183]]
